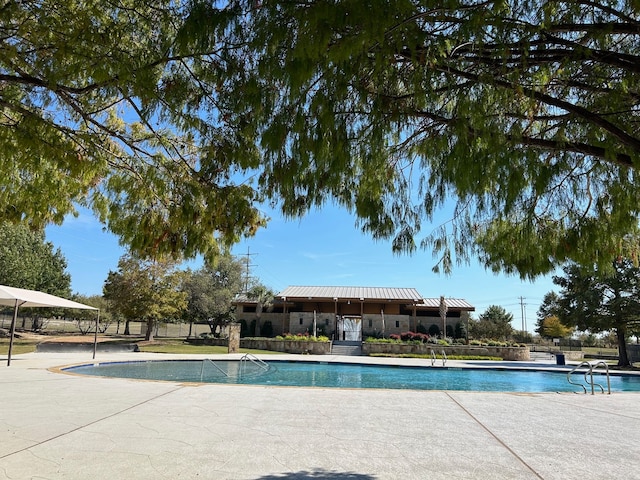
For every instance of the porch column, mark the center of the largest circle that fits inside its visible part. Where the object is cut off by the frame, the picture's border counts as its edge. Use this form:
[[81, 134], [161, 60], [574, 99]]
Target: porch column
[[415, 319], [284, 314], [335, 319]]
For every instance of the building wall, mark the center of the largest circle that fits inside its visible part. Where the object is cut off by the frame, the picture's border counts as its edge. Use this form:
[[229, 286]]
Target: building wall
[[300, 322], [373, 325], [277, 320]]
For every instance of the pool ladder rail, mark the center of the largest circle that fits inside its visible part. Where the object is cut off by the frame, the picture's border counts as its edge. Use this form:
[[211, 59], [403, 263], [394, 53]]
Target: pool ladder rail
[[243, 364], [434, 358], [588, 376], [248, 357], [214, 364]]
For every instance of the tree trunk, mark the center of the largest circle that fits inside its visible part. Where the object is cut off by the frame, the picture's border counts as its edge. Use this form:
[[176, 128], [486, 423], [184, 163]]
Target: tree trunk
[[149, 335], [190, 329], [212, 326], [126, 328], [623, 358]]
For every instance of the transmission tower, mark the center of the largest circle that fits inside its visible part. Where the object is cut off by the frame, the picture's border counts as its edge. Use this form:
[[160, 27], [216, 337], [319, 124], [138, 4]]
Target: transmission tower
[[248, 266]]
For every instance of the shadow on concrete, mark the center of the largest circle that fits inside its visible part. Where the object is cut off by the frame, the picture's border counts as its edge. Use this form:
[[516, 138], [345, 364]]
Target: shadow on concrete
[[319, 474]]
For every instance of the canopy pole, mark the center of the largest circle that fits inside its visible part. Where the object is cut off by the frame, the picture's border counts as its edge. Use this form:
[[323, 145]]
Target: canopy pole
[[12, 332], [95, 335]]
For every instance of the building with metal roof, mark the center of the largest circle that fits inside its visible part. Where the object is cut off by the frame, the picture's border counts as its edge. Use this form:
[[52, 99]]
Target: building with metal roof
[[353, 293], [351, 313]]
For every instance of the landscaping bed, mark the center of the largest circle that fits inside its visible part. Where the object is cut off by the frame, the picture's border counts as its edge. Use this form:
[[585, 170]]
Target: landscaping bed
[[405, 348]]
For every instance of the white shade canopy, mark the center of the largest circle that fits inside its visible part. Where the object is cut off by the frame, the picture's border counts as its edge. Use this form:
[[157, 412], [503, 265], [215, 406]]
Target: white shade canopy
[[32, 298], [20, 297]]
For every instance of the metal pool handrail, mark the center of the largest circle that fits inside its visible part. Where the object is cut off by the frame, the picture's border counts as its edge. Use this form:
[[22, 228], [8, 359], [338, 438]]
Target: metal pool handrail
[[591, 366], [434, 358], [253, 359], [212, 363]]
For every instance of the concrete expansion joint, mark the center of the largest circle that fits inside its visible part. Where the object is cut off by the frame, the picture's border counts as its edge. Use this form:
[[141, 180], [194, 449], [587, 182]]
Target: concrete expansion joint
[[600, 397], [81, 427], [498, 439]]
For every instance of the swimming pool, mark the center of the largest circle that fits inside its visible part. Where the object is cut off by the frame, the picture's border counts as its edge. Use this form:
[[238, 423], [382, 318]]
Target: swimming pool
[[342, 375]]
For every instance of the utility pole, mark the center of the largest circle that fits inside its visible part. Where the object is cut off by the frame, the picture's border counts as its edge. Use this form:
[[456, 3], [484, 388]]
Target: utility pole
[[523, 313]]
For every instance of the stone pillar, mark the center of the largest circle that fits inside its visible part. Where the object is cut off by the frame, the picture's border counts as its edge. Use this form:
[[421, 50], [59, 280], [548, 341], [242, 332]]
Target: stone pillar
[[234, 337]]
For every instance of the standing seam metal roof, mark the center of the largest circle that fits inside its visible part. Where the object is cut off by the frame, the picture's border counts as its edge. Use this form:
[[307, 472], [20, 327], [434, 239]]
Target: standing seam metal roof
[[367, 293], [410, 295], [457, 303]]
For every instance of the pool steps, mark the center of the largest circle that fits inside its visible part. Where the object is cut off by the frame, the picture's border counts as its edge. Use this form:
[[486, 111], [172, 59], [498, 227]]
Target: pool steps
[[346, 348]]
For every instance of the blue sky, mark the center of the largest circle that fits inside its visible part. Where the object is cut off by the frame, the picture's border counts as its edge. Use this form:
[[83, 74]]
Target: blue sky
[[322, 248]]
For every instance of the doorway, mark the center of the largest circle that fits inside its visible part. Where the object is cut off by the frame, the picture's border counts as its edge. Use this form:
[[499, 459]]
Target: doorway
[[350, 328]]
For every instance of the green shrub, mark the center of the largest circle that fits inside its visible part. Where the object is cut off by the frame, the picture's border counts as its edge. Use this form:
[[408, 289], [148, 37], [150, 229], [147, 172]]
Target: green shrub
[[428, 356], [302, 338], [382, 340]]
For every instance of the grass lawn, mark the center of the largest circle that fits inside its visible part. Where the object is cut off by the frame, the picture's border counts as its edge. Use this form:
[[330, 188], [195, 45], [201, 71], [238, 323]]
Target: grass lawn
[[170, 345], [600, 351], [180, 346], [19, 346]]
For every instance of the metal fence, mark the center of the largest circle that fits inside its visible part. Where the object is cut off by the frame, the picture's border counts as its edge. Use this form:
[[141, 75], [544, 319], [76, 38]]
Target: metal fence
[[62, 326]]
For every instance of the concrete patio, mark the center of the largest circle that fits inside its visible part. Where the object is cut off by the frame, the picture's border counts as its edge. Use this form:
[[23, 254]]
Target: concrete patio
[[61, 426]]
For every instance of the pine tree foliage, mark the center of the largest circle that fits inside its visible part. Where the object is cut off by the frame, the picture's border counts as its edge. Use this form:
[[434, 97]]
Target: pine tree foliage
[[524, 113], [104, 104], [159, 114]]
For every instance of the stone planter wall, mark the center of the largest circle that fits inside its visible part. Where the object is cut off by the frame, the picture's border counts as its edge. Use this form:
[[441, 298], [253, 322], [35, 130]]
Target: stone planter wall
[[288, 346], [218, 342], [573, 355], [324, 348], [506, 353]]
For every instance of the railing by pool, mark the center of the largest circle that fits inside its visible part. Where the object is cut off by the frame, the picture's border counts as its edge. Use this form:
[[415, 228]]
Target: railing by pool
[[588, 376]]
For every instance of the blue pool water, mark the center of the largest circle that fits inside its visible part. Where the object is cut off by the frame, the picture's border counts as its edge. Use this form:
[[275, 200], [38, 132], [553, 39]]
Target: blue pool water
[[337, 375]]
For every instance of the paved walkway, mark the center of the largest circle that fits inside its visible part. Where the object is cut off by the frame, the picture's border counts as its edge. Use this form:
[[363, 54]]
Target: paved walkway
[[60, 426]]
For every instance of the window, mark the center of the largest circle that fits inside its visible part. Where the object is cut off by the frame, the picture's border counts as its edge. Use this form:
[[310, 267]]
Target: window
[[397, 323], [370, 323], [301, 320]]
